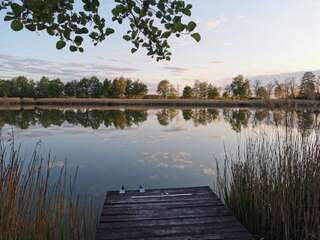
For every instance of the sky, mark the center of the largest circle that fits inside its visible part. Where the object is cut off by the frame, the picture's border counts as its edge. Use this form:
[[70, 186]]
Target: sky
[[249, 37]]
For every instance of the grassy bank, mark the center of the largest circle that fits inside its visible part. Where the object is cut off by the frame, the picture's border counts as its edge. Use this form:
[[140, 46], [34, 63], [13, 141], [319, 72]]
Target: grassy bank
[[272, 185], [37, 203], [274, 103]]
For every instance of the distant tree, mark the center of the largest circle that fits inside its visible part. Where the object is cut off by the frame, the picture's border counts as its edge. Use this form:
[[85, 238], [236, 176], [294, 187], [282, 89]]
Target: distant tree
[[240, 87], [83, 88], [5, 88], [120, 86], [95, 88], [293, 88], [307, 87], [280, 90], [203, 89], [173, 92], [89, 88], [129, 88], [317, 85], [196, 89], [137, 88], [227, 92], [256, 87], [70, 88], [213, 92], [163, 88], [262, 92], [187, 92], [108, 90], [42, 87], [55, 88], [269, 88], [22, 87]]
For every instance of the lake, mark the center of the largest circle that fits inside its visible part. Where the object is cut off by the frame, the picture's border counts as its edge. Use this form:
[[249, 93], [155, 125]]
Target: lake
[[154, 147]]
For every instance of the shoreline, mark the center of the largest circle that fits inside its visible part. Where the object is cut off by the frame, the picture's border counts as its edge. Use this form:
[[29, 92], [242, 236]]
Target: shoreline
[[89, 102]]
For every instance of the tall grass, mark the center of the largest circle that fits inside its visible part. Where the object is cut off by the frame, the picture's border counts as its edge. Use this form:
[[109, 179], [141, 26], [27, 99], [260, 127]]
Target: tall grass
[[272, 185], [36, 203]]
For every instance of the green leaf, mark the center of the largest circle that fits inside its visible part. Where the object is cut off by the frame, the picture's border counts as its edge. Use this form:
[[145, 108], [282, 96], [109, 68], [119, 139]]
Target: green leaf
[[16, 9], [109, 31], [179, 27], [16, 25], [127, 37], [83, 30], [166, 34], [41, 27], [136, 10], [78, 40], [31, 27], [133, 50], [191, 26], [50, 31], [196, 36], [159, 14], [73, 48], [60, 44], [186, 12], [8, 18]]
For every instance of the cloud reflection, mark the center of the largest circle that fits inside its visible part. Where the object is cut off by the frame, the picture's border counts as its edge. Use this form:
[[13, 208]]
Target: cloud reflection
[[179, 160]]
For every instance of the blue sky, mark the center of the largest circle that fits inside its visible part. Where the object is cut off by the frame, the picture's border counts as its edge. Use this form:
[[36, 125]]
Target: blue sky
[[251, 37]]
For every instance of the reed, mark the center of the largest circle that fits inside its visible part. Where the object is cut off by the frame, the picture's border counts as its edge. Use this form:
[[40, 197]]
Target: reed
[[39, 203], [272, 184]]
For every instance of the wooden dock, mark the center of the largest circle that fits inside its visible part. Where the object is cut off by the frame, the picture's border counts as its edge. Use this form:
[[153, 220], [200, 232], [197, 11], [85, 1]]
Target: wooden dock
[[179, 214]]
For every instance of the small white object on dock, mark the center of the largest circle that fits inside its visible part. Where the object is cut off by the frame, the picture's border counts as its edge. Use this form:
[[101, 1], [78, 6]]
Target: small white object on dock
[[141, 189], [122, 190]]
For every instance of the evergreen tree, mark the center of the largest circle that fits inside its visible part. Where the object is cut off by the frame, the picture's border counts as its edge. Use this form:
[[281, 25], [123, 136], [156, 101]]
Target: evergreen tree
[[307, 87]]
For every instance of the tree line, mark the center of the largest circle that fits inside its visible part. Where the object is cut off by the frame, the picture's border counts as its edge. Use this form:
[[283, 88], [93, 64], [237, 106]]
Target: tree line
[[85, 88], [240, 88]]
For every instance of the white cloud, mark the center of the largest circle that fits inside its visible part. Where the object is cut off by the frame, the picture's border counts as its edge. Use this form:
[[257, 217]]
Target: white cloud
[[179, 160], [208, 172], [12, 66]]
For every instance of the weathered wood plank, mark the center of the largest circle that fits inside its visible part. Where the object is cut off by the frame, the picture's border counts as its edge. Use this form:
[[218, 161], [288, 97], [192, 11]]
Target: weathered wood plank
[[166, 222], [179, 213]]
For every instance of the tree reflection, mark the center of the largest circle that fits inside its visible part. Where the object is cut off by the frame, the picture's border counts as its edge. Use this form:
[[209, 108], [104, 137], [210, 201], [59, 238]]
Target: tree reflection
[[238, 118], [165, 116], [24, 119], [304, 120]]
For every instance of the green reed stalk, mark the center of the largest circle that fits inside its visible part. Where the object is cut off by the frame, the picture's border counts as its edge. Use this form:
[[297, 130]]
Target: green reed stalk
[[37, 204], [273, 185]]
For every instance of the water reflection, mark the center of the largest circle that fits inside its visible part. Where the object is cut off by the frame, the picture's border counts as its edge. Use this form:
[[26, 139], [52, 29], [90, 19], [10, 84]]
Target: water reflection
[[239, 119], [154, 147]]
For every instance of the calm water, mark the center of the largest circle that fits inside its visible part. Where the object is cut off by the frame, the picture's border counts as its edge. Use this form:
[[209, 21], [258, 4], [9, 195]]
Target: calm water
[[153, 147]]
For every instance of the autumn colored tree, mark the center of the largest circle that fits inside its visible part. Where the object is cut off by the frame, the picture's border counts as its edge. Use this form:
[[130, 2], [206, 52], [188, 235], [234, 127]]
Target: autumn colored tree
[[163, 88]]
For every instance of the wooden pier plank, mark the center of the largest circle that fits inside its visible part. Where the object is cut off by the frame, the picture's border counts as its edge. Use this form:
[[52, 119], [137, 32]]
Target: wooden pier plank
[[176, 213]]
